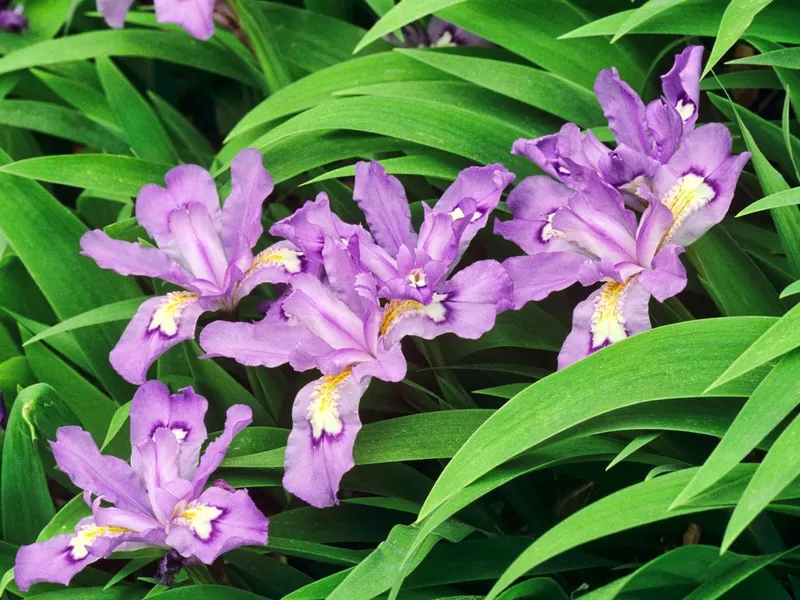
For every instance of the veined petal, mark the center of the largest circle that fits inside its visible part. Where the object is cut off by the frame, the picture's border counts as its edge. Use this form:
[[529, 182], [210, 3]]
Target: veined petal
[[681, 84], [666, 127], [153, 407], [157, 461], [159, 324], [199, 244], [218, 521], [440, 234], [667, 277], [624, 110], [264, 343], [127, 258], [77, 455], [238, 417], [195, 16], [114, 11], [655, 222], [383, 200], [612, 313], [536, 277], [625, 168], [484, 186], [320, 447], [241, 214], [276, 264], [186, 184]]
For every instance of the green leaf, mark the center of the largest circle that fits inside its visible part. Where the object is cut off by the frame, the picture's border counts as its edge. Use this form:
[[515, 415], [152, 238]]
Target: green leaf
[[791, 290], [105, 173], [689, 356], [135, 116], [176, 47], [268, 53], [26, 502], [720, 581], [205, 592], [639, 442], [86, 98], [790, 197], [44, 234], [735, 21], [644, 14], [546, 91], [769, 404], [402, 14], [191, 141], [788, 58], [432, 165]]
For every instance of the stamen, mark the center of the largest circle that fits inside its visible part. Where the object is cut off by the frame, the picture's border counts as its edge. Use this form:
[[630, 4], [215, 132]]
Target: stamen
[[323, 412], [167, 315], [416, 278]]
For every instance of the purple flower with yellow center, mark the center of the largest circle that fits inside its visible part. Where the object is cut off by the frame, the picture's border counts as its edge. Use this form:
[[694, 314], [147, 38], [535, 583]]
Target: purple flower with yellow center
[[11, 19], [647, 136], [438, 33], [348, 319], [158, 500], [195, 16], [203, 249]]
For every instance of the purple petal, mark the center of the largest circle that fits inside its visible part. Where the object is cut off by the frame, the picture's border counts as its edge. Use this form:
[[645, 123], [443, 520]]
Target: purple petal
[[666, 126], [217, 522], [624, 110], [439, 235], [624, 165], [533, 203], [77, 455], [681, 84], [126, 258], [465, 305], [667, 276], [612, 313], [536, 277], [484, 186], [276, 264], [320, 447], [195, 16], [153, 407], [159, 324], [656, 221], [241, 214], [114, 11], [390, 364], [383, 201], [253, 344], [375, 259], [442, 33], [13, 21], [157, 461], [198, 242], [238, 417], [186, 184]]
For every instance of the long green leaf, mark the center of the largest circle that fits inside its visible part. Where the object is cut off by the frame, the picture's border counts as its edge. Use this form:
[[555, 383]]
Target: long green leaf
[[789, 197], [735, 21], [644, 14], [268, 53]]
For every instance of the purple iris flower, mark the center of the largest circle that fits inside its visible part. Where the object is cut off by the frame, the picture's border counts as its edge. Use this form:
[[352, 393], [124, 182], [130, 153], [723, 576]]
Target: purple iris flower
[[583, 232], [437, 34], [647, 136], [12, 20], [158, 499], [195, 16], [348, 318], [203, 249]]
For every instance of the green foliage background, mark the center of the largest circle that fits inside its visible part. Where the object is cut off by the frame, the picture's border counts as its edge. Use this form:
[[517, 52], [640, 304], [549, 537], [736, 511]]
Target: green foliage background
[[664, 467]]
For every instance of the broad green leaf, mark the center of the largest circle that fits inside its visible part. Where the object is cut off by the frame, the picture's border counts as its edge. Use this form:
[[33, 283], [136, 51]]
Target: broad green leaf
[[436, 166], [191, 141], [788, 58], [339, 524], [59, 121], [643, 14], [44, 234], [782, 337], [790, 197], [106, 173], [546, 91], [690, 354], [116, 424], [720, 581], [735, 21], [26, 502], [543, 589], [205, 592], [86, 98], [119, 311], [176, 47], [791, 290], [135, 116], [776, 472], [639, 442], [402, 14], [268, 53], [630, 507], [318, 552], [742, 79], [14, 372], [65, 519], [770, 403]]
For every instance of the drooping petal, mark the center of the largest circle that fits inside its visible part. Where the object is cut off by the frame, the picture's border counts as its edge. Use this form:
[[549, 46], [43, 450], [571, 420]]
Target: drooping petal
[[320, 447], [612, 313], [195, 16], [114, 11], [263, 343], [127, 258], [667, 276], [383, 200], [153, 407], [218, 521], [186, 184], [536, 277], [60, 558], [465, 305], [241, 214], [159, 324], [276, 264], [238, 417], [624, 110], [533, 203], [681, 84], [199, 244], [484, 186], [77, 455]]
